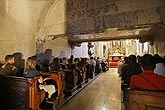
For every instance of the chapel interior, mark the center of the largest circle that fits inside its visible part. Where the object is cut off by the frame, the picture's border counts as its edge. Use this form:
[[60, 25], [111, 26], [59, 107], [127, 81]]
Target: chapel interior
[[114, 29]]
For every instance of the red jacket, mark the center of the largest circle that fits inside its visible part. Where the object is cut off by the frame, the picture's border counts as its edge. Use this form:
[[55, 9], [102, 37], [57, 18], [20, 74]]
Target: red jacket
[[148, 80]]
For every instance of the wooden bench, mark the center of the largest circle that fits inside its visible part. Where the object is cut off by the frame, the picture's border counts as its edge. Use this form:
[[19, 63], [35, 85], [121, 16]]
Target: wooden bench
[[20, 93], [58, 78], [145, 100], [71, 77]]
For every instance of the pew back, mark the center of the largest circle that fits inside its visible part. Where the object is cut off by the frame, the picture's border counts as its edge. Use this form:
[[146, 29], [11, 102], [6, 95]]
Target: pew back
[[20, 93], [145, 100], [58, 78]]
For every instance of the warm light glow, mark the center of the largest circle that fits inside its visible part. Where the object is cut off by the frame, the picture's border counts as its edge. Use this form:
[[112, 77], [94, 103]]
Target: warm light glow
[[7, 6]]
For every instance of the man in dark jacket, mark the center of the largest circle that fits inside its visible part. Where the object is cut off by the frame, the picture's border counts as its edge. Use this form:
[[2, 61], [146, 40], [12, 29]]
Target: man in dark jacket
[[8, 69], [131, 69]]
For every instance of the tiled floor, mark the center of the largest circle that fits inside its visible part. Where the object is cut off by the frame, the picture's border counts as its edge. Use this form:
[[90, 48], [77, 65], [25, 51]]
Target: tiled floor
[[103, 93]]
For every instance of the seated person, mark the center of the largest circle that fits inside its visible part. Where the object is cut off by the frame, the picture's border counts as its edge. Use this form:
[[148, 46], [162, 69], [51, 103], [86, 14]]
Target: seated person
[[148, 80], [55, 66], [8, 68], [133, 68], [31, 72], [19, 63], [160, 66]]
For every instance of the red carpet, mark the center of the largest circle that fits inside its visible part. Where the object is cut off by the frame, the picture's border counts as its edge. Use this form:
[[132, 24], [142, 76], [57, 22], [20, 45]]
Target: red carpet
[[113, 63]]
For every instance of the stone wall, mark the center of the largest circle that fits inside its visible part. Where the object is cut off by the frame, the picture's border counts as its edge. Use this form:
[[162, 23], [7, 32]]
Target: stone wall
[[84, 16]]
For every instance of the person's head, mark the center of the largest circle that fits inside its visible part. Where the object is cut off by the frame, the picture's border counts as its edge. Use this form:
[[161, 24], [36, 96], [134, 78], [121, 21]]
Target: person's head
[[56, 60], [126, 60], [91, 58], [83, 59], [76, 60], [30, 63], [48, 51], [147, 62], [9, 59], [18, 55], [159, 59], [64, 59], [132, 59], [70, 61]]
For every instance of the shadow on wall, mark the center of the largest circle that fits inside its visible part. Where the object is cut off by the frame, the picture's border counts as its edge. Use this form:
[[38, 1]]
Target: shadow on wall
[[62, 54]]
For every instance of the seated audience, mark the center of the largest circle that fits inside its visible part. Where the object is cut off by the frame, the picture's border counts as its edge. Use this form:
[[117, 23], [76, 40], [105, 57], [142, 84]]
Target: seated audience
[[55, 66], [93, 64], [8, 68], [89, 71], [45, 65], [37, 62], [30, 69], [120, 63], [19, 63], [148, 80], [98, 67], [63, 63], [81, 64], [31, 72], [131, 69], [125, 63]]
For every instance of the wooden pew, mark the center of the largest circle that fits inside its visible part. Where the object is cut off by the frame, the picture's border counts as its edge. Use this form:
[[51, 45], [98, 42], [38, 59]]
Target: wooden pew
[[58, 78], [20, 93], [36, 96], [82, 69], [145, 100], [71, 77]]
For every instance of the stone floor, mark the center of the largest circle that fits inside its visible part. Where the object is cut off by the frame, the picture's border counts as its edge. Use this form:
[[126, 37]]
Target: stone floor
[[103, 93]]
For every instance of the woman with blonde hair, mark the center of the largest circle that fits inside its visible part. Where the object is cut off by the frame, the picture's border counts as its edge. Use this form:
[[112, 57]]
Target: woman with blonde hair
[[30, 70]]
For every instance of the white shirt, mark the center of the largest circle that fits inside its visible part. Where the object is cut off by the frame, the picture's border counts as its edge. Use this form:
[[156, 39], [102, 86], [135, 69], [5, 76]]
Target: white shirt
[[160, 69]]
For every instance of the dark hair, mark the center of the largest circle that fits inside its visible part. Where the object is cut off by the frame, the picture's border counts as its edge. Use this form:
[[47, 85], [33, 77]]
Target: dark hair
[[132, 59], [17, 55], [147, 62], [55, 65], [48, 51], [159, 59], [8, 57], [126, 60]]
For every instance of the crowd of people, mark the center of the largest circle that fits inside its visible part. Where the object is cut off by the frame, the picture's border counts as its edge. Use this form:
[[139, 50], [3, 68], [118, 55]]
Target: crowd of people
[[142, 72], [145, 72], [85, 68]]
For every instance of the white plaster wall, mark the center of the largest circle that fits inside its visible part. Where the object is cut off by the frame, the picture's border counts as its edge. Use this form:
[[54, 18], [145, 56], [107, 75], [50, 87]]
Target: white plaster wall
[[81, 51], [17, 26]]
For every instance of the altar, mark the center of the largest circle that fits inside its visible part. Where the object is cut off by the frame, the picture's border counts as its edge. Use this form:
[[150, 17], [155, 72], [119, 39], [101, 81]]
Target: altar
[[116, 51]]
